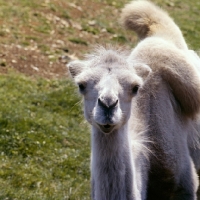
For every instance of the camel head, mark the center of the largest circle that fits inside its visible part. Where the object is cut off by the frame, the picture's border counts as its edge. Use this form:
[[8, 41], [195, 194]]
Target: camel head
[[108, 83]]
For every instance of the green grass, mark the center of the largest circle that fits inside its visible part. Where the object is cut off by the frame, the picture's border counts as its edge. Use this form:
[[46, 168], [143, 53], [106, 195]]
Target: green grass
[[185, 14], [78, 41], [44, 141]]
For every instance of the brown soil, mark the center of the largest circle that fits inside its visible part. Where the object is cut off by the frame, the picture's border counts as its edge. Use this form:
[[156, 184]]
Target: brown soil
[[30, 62], [32, 52]]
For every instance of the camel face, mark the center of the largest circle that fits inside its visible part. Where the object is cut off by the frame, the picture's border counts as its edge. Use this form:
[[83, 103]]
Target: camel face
[[108, 84], [115, 91]]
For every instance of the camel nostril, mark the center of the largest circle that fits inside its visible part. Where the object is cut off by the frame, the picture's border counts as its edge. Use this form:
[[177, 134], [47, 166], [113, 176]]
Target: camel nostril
[[101, 103], [108, 104], [116, 102]]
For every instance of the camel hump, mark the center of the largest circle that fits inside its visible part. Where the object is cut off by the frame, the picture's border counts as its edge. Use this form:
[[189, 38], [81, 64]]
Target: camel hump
[[147, 19]]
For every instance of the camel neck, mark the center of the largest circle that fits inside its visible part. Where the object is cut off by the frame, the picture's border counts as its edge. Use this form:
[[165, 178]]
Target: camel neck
[[109, 144], [111, 165]]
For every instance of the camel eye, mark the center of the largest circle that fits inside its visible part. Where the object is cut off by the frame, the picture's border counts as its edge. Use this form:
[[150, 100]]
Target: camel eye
[[81, 87], [135, 89]]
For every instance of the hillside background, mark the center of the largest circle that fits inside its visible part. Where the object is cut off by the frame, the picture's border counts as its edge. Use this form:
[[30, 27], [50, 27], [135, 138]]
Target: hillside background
[[44, 139]]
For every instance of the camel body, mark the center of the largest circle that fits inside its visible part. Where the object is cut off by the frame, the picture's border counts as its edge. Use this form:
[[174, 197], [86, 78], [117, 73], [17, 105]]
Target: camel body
[[143, 107]]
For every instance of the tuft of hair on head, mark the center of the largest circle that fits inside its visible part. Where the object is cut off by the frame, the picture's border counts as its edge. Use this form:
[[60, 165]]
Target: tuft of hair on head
[[100, 54], [107, 53]]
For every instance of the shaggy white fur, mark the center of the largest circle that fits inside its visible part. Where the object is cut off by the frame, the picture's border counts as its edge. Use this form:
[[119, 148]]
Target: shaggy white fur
[[143, 108], [146, 20]]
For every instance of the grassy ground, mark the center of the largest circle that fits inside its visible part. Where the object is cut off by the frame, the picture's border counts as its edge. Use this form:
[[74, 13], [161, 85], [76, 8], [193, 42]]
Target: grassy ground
[[44, 139], [44, 148]]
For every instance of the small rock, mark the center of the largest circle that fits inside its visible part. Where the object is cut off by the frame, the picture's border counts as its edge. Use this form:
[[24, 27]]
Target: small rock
[[7, 30], [103, 30], [51, 56], [77, 26], [92, 23], [60, 42], [114, 36], [52, 32], [75, 6], [114, 3], [64, 23], [34, 67], [13, 61], [19, 46]]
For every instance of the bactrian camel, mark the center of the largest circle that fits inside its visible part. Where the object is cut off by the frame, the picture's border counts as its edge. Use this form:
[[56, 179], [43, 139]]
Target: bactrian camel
[[143, 107]]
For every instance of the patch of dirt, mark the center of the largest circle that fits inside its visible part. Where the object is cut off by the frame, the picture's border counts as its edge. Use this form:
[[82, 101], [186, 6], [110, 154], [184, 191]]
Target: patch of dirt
[[31, 62], [54, 34]]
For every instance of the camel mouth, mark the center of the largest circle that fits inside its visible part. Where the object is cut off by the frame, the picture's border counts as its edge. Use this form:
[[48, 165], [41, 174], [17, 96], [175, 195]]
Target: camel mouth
[[107, 128]]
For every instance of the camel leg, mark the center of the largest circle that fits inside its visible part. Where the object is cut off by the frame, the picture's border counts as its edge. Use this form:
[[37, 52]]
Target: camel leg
[[184, 195], [188, 185], [198, 191], [198, 194]]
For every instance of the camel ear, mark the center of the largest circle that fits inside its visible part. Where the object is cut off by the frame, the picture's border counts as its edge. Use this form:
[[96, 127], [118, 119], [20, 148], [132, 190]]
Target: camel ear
[[142, 70], [76, 67]]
